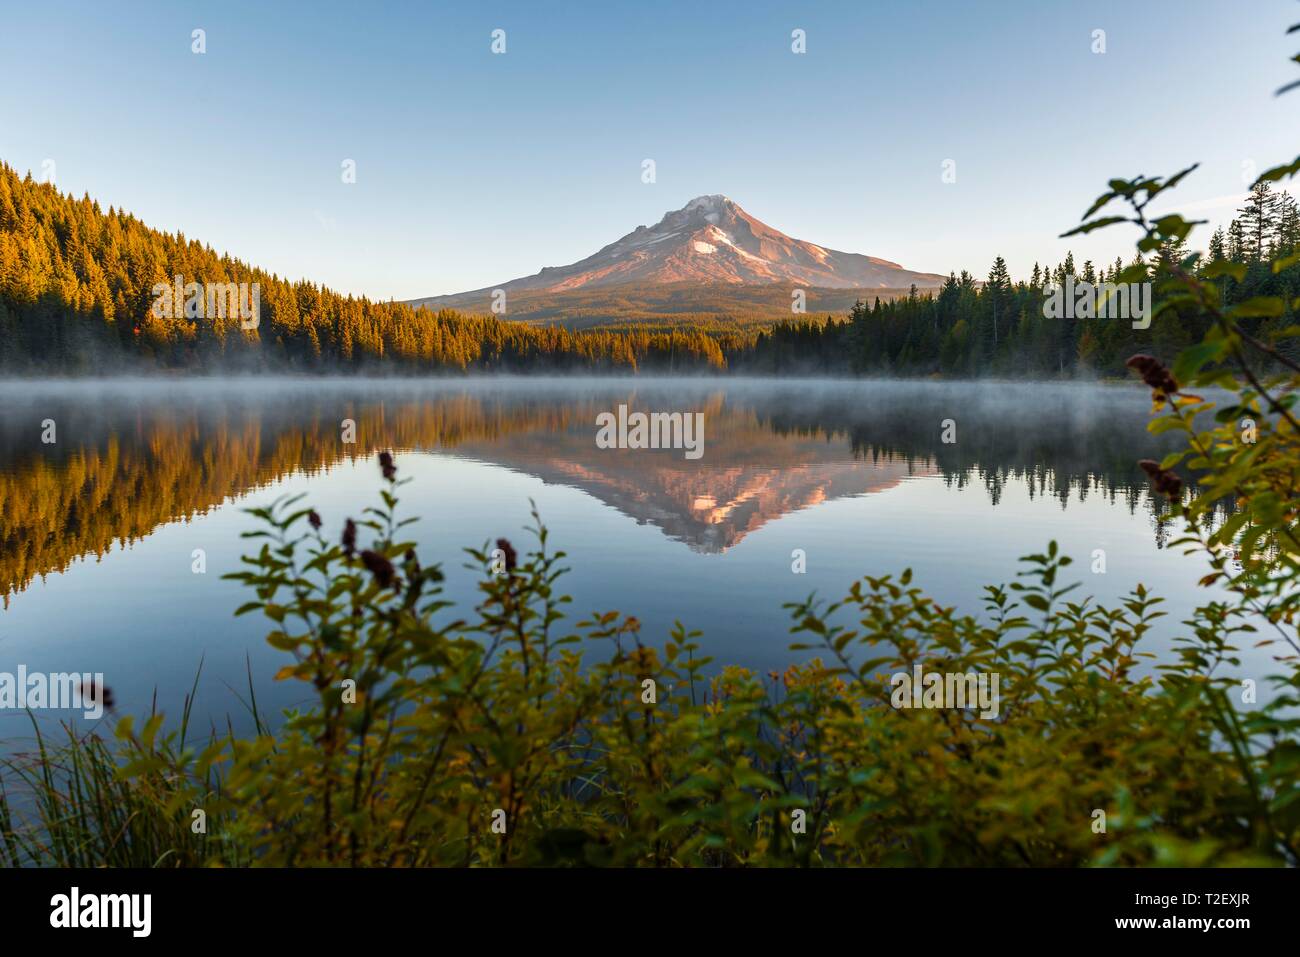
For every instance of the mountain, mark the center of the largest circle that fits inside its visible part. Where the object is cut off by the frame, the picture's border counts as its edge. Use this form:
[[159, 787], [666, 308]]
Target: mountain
[[712, 243]]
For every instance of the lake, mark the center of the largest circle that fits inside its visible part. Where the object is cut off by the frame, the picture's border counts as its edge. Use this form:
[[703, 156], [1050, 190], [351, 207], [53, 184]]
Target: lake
[[101, 525]]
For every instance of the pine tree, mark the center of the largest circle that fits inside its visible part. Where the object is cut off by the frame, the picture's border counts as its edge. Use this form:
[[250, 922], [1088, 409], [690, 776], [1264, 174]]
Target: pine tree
[[1218, 247], [998, 292], [1236, 241], [1171, 252], [1287, 234], [1259, 220]]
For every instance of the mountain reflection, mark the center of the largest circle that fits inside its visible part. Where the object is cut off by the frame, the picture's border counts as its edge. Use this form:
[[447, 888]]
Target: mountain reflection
[[748, 476], [125, 461]]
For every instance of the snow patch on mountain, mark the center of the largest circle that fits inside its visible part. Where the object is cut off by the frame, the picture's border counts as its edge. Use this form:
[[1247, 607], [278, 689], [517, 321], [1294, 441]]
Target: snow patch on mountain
[[714, 201], [657, 239]]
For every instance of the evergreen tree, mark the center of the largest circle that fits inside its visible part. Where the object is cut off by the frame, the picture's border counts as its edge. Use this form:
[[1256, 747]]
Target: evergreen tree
[[1259, 221], [1218, 246]]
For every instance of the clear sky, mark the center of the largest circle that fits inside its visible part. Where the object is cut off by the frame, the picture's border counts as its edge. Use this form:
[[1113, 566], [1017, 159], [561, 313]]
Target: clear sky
[[474, 168]]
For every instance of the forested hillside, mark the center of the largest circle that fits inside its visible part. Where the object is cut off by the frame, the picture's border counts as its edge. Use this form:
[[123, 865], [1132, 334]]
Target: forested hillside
[[999, 327], [76, 291]]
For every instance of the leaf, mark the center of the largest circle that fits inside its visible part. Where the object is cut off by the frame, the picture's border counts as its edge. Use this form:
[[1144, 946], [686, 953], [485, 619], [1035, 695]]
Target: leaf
[[1285, 262], [1095, 224], [1178, 177], [1225, 267], [1280, 172], [1191, 359], [1174, 225], [1264, 307], [1160, 426]]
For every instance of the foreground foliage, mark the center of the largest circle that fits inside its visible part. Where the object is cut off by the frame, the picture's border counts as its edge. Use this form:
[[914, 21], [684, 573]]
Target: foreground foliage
[[429, 729]]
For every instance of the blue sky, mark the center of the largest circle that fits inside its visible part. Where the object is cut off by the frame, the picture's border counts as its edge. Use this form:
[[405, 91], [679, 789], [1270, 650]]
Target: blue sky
[[475, 168]]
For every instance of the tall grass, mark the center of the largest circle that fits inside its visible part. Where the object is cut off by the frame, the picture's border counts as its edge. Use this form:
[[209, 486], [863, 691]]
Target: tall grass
[[80, 801]]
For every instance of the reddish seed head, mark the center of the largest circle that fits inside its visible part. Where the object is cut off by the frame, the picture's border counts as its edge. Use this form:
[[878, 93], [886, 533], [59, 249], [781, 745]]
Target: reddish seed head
[[509, 551], [380, 567], [1166, 482], [349, 538], [386, 463], [105, 695], [313, 520], [1153, 373]]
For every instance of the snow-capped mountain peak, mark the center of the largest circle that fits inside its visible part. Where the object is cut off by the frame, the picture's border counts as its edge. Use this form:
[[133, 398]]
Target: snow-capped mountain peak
[[713, 240]]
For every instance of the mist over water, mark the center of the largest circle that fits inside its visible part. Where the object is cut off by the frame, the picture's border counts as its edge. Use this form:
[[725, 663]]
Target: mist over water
[[101, 526]]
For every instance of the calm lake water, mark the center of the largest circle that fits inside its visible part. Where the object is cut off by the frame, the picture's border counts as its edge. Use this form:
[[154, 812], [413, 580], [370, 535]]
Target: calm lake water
[[100, 527]]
